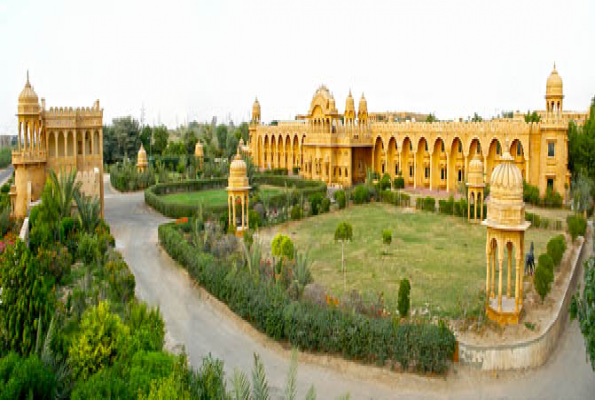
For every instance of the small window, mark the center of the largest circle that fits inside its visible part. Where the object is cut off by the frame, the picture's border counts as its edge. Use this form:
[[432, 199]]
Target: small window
[[411, 171], [442, 146], [478, 148], [442, 174], [550, 184], [346, 173], [396, 169], [427, 172], [382, 168], [498, 149], [519, 149], [460, 147], [551, 149], [410, 146], [460, 175], [426, 145]]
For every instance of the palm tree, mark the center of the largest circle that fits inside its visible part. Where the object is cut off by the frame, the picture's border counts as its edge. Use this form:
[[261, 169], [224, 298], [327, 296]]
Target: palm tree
[[64, 188], [88, 211]]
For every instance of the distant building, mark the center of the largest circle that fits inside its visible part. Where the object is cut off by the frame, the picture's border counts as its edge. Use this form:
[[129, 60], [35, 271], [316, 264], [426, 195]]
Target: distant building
[[338, 148]]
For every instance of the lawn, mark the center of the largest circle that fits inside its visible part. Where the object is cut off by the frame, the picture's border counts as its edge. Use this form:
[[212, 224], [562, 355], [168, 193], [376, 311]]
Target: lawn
[[443, 256], [211, 197]]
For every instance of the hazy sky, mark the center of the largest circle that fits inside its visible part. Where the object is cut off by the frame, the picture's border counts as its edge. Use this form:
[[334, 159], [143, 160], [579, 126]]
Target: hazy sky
[[186, 60]]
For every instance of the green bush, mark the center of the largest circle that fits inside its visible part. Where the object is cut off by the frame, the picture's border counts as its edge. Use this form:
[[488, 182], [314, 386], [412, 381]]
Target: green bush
[[254, 219], [544, 275], [403, 302], [315, 203], [25, 378], [556, 248], [361, 195], [577, 225], [531, 194], [387, 236], [399, 183], [282, 246], [5, 157], [296, 212], [330, 330], [340, 198], [384, 183], [325, 206], [552, 199], [425, 204], [126, 178]]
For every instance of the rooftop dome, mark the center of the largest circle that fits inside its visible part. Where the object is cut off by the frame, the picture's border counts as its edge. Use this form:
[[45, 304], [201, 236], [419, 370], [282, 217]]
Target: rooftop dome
[[506, 208], [198, 150], [238, 173], [141, 160], [28, 100], [475, 177], [554, 84]]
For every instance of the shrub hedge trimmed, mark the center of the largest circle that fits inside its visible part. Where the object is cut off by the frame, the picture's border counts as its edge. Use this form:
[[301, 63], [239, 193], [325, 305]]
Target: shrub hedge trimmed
[[177, 210], [577, 225], [556, 248], [420, 346]]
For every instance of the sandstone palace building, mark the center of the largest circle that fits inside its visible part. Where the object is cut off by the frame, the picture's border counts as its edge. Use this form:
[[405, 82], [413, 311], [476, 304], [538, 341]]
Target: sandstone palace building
[[338, 148], [59, 139]]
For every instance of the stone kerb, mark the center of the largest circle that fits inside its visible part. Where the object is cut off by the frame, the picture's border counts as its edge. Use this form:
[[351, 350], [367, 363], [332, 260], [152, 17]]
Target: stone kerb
[[531, 353]]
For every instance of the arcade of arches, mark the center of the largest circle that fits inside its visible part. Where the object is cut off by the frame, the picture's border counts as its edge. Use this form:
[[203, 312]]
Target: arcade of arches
[[339, 148]]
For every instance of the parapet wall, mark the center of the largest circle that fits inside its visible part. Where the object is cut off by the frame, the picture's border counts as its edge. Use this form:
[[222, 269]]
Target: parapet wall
[[531, 353]]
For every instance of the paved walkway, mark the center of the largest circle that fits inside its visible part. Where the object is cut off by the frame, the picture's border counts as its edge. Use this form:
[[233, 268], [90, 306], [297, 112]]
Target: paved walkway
[[193, 321]]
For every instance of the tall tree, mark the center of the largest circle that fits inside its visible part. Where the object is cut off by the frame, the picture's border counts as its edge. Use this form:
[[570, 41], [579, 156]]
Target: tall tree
[[145, 137], [160, 136], [127, 134]]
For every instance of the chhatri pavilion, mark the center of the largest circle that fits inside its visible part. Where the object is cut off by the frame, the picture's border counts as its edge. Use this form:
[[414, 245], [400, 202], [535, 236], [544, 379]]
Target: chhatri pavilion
[[339, 147]]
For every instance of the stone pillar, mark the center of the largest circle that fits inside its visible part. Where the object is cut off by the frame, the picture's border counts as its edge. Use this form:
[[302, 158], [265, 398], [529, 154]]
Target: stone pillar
[[488, 276], [500, 284], [243, 213], [493, 280], [84, 146], [508, 280], [233, 205], [247, 194], [482, 196], [517, 279], [415, 171], [431, 170], [20, 126], [447, 172]]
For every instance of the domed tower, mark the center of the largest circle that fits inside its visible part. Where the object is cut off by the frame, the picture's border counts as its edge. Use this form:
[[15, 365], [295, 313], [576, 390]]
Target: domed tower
[[553, 93], [29, 159], [349, 110], [362, 111], [29, 118], [238, 189], [141, 160], [506, 228], [475, 189], [199, 154], [256, 112]]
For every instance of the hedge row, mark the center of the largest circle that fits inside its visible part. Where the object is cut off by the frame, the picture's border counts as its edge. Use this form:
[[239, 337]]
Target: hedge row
[[153, 197], [178, 210], [538, 221], [423, 347]]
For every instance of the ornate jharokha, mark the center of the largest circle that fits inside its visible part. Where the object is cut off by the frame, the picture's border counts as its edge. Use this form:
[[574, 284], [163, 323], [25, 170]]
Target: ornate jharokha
[[59, 139], [506, 228], [338, 148], [238, 190]]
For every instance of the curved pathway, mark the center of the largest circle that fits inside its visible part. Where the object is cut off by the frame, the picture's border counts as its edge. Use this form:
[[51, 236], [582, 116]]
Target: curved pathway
[[202, 327]]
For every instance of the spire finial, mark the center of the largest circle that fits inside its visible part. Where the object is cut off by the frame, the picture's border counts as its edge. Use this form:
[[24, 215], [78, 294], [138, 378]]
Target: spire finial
[[554, 65], [28, 84]]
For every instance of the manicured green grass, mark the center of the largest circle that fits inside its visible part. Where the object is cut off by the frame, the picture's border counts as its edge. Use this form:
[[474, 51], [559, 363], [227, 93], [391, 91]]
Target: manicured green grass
[[211, 197], [443, 256]]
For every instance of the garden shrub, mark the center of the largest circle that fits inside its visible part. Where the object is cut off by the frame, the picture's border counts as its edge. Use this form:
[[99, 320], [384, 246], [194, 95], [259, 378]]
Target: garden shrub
[[577, 225], [254, 219], [108, 383], [296, 212], [25, 378], [403, 302], [88, 249], [147, 329], [340, 198], [282, 246], [387, 236], [399, 183], [531, 194], [325, 206], [544, 275], [55, 261], [361, 195], [429, 204], [552, 199], [125, 177], [315, 202], [556, 248], [331, 330], [384, 183], [100, 341]]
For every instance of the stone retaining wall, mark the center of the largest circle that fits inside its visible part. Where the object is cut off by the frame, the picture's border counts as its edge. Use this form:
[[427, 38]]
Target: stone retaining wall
[[531, 353]]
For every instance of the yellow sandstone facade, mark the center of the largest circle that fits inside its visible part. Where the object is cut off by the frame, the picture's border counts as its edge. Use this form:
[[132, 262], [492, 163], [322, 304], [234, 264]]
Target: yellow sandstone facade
[[338, 148], [59, 139]]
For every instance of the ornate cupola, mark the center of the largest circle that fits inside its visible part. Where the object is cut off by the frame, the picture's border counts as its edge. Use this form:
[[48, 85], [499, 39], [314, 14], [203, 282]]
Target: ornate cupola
[[475, 189], [256, 112], [349, 110], [141, 160], [506, 228], [199, 154], [554, 93], [362, 111], [238, 189]]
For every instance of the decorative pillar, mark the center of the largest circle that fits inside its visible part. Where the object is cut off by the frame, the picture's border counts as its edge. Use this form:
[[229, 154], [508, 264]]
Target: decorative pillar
[[20, 125], [488, 275], [509, 248], [500, 282], [517, 280], [431, 170], [415, 171]]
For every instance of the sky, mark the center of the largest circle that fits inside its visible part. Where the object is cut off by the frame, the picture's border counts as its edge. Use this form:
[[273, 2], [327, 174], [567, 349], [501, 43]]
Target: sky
[[192, 60]]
